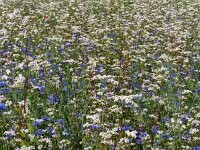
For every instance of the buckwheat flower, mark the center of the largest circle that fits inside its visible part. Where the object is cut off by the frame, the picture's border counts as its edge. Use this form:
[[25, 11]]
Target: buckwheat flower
[[51, 113], [65, 132], [4, 77], [10, 133], [40, 146], [27, 148], [31, 136], [46, 140], [186, 92], [131, 133], [124, 140], [194, 131], [164, 57]]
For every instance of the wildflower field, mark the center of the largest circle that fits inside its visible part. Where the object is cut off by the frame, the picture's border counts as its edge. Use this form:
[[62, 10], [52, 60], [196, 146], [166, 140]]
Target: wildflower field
[[99, 75]]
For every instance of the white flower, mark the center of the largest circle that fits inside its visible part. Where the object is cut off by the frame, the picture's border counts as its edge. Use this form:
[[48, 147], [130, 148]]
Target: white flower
[[5, 77], [40, 146], [131, 134], [124, 140], [8, 71], [186, 92], [10, 132], [193, 131]]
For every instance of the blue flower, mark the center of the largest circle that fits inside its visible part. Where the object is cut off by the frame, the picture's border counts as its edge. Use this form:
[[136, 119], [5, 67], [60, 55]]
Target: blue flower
[[46, 119], [56, 67], [60, 49], [184, 119], [38, 123], [2, 83], [154, 131], [165, 136], [50, 131], [122, 60], [2, 107], [197, 90], [41, 88], [52, 99], [67, 44], [10, 136], [90, 43], [79, 115], [196, 148], [126, 128], [60, 121], [178, 104], [99, 96], [83, 65], [95, 126], [19, 91], [144, 134], [117, 89], [139, 142], [39, 132]]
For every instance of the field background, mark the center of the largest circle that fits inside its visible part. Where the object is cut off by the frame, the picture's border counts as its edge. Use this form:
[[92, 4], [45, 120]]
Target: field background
[[99, 75]]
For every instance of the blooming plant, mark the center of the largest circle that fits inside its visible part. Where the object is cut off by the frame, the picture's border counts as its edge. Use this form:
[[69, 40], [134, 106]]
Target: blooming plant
[[99, 74]]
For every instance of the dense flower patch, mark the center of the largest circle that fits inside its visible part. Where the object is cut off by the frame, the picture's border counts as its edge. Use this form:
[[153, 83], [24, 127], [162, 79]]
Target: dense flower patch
[[107, 74]]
